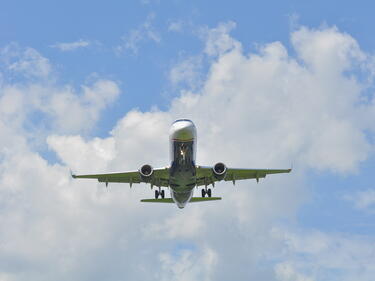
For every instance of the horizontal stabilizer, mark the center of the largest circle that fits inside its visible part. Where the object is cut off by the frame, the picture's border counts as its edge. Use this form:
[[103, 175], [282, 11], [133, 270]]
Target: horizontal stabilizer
[[165, 200], [192, 200], [201, 199]]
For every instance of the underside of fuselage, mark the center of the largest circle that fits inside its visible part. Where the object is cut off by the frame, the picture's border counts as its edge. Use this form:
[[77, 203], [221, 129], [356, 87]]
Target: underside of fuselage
[[182, 173]]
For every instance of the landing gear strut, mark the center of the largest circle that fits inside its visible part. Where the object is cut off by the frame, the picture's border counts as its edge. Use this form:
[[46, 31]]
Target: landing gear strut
[[206, 191]]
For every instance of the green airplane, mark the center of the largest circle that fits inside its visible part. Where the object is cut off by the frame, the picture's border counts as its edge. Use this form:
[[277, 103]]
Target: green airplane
[[183, 175]]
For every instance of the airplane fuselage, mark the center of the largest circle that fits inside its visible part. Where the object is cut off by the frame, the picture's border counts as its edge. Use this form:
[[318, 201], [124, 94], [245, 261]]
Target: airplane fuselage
[[182, 173]]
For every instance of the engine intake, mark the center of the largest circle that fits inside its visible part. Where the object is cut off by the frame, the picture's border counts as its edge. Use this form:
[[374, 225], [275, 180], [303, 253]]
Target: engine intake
[[146, 171], [219, 170]]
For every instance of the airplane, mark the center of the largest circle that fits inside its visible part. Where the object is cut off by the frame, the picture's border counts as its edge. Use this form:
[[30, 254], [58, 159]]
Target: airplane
[[183, 175]]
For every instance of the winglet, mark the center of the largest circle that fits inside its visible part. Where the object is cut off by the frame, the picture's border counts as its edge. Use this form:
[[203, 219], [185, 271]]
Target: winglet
[[72, 175]]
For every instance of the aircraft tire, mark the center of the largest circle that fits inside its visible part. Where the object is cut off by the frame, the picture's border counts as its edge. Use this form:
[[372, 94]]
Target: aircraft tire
[[162, 194], [156, 194], [209, 193], [203, 193]]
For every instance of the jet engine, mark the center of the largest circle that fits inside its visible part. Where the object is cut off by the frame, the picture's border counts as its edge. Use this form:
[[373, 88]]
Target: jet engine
[[219, 170], [146, 171]]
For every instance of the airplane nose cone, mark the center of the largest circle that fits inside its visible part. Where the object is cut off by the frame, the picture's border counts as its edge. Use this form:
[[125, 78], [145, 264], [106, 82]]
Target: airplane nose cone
[[183, 130]]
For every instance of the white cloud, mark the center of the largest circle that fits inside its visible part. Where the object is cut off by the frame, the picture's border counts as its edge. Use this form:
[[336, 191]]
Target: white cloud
[[176, 26], [65, 108], [93, 155], [188, 265], [314, 255], [293, 108], [75, 114], [337, 51], [70, 46], [187, 73], [260, 109], [286, 272], [363, 200], [177, 226], [25, 61], [218, 39], [144, 32], [293, 19], [32, 103]]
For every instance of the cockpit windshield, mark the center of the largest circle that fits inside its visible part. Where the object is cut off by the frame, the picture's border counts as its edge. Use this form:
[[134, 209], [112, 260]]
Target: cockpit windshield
[[178, 120]]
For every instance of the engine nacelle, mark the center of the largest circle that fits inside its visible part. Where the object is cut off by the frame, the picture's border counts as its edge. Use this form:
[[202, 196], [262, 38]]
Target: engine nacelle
[[146, 172], [219, 170]]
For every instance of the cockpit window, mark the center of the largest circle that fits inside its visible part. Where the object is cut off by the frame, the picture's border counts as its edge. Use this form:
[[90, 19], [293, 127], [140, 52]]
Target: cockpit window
[[178, 120]]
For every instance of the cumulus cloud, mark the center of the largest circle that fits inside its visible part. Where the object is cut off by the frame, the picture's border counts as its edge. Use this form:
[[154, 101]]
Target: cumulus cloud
[[187, 73], [287, 103], [363, 200], [337, 51], [70, 46], [188, 265], [63, 107], [260, 109], [75, 114], [286, 272], [218, 39], [95, 154], [316, 255], [144, 32], [33, 103], [24, 61]]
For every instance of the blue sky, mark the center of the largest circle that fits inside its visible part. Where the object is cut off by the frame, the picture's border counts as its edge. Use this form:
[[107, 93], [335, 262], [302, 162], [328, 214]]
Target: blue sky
[[43, 23], [94, 86]]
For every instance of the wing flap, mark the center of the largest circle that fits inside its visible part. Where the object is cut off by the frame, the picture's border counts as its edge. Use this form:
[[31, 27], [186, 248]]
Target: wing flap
[[243, 174], [206, 177], [160, 177]]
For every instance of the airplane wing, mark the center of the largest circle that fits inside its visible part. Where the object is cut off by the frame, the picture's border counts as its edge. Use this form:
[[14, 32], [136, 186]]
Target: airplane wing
[[205, 176], [159, 177]]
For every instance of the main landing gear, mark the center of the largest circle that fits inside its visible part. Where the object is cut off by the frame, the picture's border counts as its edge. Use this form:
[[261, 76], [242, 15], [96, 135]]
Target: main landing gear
[[160, 193], [206, 191]]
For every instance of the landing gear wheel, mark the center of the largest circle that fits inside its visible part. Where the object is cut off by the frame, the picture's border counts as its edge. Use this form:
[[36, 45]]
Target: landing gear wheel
[[203, 193], [162, 193], [156, 194], [209, 192]]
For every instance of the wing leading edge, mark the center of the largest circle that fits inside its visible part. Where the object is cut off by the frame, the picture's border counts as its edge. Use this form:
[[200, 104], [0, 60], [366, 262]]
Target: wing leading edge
[[205, 176], [159, 177]]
